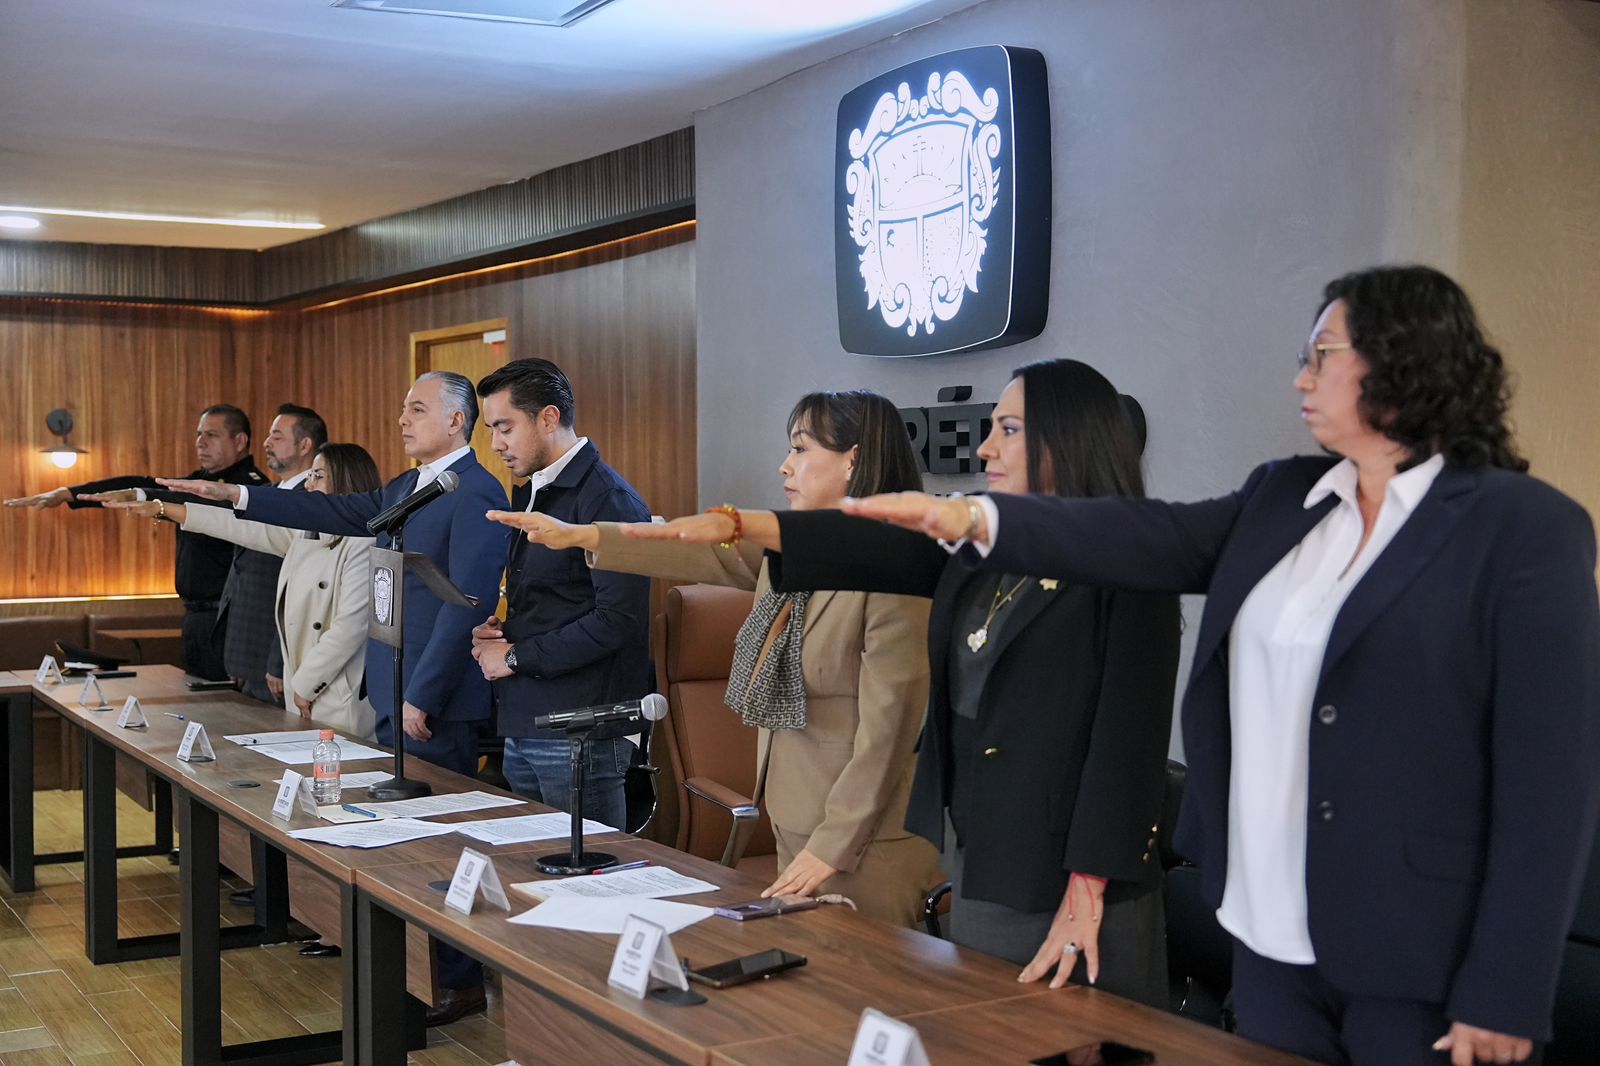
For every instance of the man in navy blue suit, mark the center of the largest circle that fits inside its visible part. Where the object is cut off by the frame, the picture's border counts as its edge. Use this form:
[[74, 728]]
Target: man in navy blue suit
[[446, 698], [572, 637]]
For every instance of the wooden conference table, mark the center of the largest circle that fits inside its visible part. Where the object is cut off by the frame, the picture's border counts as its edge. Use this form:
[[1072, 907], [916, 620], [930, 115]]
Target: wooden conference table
[[558, 1005]]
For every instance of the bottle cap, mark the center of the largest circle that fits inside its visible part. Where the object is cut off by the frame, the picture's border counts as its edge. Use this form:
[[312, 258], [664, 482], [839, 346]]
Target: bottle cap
[[326, 734]]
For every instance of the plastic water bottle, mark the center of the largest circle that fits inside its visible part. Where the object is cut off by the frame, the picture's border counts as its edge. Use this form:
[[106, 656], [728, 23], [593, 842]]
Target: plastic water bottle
[[325, 769]]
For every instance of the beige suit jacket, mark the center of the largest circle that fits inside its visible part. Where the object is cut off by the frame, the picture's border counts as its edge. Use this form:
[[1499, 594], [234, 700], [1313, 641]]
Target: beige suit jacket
[[321, 612], [844, 780]]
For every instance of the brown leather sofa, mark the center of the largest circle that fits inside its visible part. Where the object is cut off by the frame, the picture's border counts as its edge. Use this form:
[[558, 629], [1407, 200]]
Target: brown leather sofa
[[25, 640]]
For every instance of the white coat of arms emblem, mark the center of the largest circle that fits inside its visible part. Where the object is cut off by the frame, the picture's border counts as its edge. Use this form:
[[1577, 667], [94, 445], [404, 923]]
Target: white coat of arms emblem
[[923, 180], [383, 594]]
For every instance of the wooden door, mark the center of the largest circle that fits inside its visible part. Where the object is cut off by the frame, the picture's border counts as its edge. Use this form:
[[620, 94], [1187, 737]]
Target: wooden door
[[476, 350]]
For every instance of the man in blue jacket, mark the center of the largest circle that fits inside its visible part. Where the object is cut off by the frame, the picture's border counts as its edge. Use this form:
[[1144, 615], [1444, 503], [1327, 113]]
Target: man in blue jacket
[[446, 698], [572, 637]]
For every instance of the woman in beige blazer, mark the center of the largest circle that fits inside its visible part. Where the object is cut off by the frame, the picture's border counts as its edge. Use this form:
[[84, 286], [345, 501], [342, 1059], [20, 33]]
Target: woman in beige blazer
[[322, 590], [836, 681]]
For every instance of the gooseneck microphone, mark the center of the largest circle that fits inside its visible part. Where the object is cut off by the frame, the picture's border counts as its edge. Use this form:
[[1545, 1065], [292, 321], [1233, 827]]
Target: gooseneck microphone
[[396, 516], [651, 708]]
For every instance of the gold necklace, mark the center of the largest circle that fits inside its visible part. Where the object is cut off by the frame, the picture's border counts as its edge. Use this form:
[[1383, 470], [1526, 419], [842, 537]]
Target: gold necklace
[[980, 636]]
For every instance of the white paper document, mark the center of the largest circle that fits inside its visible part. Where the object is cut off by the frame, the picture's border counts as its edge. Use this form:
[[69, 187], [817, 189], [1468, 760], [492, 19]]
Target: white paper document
[[299, 754], [371, 833], [432, 806], [527, 827], [281, 736], [363, 780], [608, 915], [649, 882], [335, 812]]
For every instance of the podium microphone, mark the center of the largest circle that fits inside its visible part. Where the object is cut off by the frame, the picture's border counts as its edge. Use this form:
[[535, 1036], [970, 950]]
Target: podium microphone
[[651, 708], [397, 515]]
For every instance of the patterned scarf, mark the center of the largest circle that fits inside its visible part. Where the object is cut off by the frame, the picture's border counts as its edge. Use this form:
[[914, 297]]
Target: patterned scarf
[[770, 692]]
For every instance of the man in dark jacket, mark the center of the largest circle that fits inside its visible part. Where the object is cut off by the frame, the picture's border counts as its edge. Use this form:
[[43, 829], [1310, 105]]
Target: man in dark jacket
[[572, 637]]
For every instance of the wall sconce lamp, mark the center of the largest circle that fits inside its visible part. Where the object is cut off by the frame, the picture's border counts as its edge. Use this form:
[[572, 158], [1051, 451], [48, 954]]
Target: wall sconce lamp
[[64, 454]]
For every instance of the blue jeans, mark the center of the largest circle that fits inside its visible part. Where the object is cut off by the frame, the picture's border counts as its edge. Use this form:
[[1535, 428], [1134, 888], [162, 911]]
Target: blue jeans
[[541, 770]]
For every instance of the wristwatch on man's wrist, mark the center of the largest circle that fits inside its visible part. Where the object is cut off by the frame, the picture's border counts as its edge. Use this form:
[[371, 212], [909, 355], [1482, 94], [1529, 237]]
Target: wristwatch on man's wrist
[[511, 659]]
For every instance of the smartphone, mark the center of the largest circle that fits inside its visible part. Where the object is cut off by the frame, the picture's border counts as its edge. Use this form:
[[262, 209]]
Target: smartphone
[[1104, 1053], [750, 968], [765, 908], [194, 684], [106, 675]]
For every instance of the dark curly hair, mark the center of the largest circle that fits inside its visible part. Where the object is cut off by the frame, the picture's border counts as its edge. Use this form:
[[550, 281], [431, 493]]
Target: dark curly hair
[[1433, 383]]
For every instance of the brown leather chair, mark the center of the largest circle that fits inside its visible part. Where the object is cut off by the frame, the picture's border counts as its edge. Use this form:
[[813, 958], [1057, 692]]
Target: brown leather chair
[[709, 750]]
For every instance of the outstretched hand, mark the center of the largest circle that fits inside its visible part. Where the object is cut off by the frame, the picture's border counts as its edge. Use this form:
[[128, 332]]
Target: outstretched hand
[[206, 490], [39, 501], [146, 509], [714, 528], [551, 532], [938, 517], [1468, 1044]]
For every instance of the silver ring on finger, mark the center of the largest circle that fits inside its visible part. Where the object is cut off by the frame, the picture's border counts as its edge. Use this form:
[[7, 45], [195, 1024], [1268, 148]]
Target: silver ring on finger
[[1070, 949]]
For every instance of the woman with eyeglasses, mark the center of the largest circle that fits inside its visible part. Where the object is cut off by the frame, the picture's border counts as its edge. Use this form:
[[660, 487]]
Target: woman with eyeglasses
[[322, 590], [1393, 719]]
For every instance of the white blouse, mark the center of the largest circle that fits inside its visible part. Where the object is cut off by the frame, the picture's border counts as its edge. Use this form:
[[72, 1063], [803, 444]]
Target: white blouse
[[1275, 657]]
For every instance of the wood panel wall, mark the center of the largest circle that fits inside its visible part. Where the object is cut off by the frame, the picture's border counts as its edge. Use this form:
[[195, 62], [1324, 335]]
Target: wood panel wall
[[619, 320]]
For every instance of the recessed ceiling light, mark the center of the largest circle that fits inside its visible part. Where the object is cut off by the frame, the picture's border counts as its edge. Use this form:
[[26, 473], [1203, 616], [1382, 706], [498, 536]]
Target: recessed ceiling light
[[528, 12], [18, 222], [134, 216]]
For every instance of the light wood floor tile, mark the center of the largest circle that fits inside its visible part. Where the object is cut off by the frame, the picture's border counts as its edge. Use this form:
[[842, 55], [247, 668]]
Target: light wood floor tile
[[25, 956], [128, 1012], [45, 1055], [480, 1036], [81, 1031], [39, 912], [92, 979], [50, 990], [446, 1054], [156, 1047], [15, 1013]]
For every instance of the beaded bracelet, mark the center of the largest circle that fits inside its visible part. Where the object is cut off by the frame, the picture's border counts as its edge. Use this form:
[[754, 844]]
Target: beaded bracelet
[[738, 523]]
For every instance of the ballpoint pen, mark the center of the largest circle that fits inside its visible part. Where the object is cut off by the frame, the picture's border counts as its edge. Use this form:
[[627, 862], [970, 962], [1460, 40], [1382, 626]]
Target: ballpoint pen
[[353, 809], [622, 866], [169, 714]]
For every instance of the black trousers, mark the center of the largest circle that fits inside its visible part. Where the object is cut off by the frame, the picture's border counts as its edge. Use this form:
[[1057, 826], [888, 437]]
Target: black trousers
[[1293, 1008], [201, 656]]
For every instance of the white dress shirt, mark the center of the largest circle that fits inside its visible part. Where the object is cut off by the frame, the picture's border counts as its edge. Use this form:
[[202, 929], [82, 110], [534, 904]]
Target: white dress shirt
[[291, 482], [1275, 655], [428, 473], [540, 478]]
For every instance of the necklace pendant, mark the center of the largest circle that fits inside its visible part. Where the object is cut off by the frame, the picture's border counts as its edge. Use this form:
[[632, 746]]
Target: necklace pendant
[[978, 638]]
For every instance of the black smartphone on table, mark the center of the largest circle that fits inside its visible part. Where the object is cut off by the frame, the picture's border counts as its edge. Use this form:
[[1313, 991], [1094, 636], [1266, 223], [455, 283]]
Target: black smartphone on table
[[194, 684], [749, 968]]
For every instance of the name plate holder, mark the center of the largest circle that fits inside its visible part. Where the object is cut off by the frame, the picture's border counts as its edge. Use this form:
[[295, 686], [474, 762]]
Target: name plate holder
[[48, 673], [132, 716], [644, 951], [196, 746], [475, 875], [91, 688], [885, 1041]]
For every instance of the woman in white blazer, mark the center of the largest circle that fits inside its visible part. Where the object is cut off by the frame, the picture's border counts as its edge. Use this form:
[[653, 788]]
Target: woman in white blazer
[[322, 590]]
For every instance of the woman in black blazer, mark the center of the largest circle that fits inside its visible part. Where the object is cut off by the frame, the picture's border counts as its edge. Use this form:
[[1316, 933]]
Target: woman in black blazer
[[1393, 719], [1050, 704]]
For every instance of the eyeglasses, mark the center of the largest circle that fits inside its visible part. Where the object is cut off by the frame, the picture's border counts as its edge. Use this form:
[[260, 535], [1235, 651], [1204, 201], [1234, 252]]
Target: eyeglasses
[[1310, 356]]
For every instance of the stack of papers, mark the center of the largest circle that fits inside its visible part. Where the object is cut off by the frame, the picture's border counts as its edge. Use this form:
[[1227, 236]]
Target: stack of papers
[[293, 746], [527, 827], [371, 832], [608, 915], [433, 806], [648, 882]]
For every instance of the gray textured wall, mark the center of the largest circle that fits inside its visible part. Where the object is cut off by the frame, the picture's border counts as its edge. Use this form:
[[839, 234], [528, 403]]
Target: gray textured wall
[[1215, 162]]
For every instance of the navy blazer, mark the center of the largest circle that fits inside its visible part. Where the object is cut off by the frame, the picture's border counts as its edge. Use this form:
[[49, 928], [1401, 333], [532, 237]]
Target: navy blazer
[[1455, 732], [582, 636], [441, 677]]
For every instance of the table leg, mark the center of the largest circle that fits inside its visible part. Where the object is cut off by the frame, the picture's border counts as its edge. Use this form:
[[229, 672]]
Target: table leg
[[16, 820], [388, 1018], [201, 954], [99, 850]]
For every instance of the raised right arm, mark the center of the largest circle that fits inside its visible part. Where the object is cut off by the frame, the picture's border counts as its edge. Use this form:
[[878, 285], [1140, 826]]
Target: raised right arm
[[345, 514]]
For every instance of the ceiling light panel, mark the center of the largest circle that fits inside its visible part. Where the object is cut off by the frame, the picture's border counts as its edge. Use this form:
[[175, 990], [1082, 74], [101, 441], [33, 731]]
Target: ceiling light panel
[[528, 12]]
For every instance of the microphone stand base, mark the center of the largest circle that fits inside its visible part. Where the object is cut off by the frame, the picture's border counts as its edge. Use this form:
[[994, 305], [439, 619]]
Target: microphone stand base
[[399, 788], [562, 863]]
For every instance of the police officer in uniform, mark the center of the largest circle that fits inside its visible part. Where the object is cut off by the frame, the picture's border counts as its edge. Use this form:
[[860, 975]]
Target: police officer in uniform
[[222, 445]]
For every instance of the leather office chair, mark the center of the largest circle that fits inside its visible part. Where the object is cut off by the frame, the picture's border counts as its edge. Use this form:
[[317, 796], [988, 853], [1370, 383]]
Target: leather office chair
[[708, 750]]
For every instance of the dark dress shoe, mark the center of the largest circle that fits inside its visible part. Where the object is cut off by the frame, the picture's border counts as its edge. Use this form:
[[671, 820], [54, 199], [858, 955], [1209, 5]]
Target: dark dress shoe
[[245, 897], [321, 951], [455, 1004]]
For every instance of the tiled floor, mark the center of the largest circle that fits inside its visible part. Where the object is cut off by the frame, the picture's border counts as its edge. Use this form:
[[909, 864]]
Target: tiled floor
[[57, 1008]]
